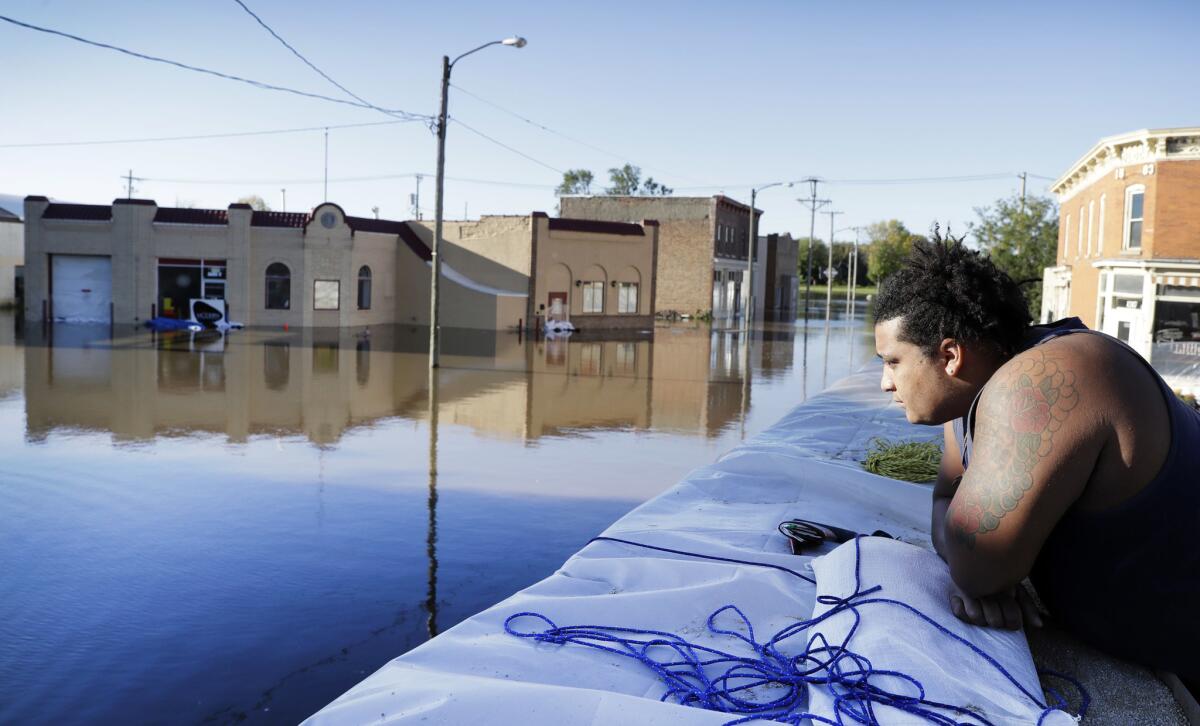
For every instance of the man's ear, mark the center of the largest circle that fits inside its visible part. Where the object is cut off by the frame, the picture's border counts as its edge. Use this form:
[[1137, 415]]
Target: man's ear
[[951, 354]]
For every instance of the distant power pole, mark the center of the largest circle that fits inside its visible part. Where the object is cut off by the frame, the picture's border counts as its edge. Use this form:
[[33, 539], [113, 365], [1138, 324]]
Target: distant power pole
[[129, 185], [1023, 175], [327, 165], [813, 205], [416, 200], [284, 193], [829, 268]]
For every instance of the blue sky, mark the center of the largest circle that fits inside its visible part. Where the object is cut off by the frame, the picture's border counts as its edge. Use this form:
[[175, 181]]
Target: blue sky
[[706, 97]]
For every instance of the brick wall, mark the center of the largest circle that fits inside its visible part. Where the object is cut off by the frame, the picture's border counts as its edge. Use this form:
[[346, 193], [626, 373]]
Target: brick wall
[[1177, 210]]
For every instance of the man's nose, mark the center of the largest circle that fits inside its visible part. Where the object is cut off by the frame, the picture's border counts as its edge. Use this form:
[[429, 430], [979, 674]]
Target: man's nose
[[885, 382]]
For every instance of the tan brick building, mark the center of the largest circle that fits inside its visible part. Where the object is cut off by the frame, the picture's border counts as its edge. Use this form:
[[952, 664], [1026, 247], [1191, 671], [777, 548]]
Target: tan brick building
[[12, 257], [703, 243], [598, 275], [1129, 244]]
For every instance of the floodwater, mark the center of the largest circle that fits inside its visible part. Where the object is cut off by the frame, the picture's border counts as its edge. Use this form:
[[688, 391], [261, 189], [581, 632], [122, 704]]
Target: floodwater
[[197, 528]]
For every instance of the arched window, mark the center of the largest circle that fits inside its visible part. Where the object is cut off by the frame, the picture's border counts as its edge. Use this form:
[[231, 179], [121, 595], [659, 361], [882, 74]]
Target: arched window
[[279, 287], [364, 288]]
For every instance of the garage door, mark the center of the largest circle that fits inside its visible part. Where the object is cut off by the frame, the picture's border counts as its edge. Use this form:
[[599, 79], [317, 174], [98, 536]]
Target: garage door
[[81, 288]]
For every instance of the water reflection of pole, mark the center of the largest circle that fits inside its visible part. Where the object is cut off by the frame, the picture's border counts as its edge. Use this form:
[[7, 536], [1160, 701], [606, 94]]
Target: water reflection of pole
[[745, 378], [431, 535], [804, 363]]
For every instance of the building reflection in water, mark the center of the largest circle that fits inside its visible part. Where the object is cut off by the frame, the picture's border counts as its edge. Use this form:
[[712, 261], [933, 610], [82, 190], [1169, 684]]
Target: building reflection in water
[[320, 384]]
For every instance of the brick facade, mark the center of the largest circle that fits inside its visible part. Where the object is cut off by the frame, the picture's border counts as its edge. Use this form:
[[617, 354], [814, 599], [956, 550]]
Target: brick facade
[[697, 236], [1139, 293]]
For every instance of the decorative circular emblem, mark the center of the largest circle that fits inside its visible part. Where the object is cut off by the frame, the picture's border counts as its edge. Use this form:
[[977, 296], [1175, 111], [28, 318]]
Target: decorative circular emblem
[[328, 219]]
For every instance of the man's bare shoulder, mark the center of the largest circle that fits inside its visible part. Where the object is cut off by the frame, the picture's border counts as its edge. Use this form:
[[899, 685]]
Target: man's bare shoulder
[[1097, 368]]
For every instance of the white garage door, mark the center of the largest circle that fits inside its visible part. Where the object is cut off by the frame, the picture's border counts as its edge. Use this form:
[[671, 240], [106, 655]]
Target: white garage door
[[81, 288]]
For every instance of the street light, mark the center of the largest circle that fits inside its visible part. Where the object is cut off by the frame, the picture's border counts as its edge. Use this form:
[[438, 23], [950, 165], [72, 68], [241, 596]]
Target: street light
[[447, 66], [749, 315]]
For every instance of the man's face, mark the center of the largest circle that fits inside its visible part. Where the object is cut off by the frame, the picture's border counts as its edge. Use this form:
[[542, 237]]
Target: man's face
[[917, 382]]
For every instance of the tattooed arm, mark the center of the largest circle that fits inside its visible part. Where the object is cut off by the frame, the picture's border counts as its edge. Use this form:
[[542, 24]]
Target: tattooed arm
[[1034, 449]]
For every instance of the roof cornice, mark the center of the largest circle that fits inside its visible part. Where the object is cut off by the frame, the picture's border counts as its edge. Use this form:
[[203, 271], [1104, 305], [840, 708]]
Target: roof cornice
[[1145, 146]]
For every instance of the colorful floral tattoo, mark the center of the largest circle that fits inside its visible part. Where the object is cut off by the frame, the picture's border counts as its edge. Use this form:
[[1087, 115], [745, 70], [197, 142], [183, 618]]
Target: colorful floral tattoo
[[1022, 410]]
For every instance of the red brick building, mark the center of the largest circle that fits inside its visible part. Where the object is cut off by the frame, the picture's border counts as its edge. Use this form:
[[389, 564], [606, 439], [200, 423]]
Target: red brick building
[[1129, 246]]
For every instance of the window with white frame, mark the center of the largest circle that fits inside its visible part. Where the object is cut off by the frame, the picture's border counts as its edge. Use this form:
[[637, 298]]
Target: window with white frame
[[1100, 236], [1079, 235], [627, 297], [1066, 237], [1134, 208], [593, 297], [1091, 219]]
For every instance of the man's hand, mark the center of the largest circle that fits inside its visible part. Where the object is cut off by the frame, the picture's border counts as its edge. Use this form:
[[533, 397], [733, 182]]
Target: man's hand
[[1008, 609]]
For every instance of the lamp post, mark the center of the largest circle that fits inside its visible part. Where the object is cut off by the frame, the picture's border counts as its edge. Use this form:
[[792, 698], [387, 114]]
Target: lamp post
[[748, 317], [436, 267]]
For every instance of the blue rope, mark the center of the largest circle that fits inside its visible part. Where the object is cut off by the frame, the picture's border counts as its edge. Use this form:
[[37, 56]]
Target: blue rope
[[706, 677]]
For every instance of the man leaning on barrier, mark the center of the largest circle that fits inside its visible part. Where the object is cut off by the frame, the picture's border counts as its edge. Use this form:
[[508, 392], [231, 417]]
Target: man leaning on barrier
[[1068, 461]]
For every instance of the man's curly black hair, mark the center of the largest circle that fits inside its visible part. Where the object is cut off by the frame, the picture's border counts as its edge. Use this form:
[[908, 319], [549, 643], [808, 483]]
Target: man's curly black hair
[[945, 290]]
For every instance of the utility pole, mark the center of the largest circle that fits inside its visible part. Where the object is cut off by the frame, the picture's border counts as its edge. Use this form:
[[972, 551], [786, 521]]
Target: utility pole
[[129, 179], [813, 205], [748, 313], [829, 268], [1023, 175], [327, 165], [284, 193], [416, 200], [435, 258]]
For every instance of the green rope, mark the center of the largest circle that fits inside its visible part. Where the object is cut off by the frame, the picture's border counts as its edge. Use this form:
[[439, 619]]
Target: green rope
[[915, 461]]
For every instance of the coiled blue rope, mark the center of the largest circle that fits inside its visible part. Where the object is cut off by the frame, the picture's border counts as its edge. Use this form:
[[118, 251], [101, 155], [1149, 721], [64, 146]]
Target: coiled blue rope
[[705, 677]]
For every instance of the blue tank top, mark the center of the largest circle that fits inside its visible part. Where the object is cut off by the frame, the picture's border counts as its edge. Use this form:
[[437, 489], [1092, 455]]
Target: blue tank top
[[1127, 579]]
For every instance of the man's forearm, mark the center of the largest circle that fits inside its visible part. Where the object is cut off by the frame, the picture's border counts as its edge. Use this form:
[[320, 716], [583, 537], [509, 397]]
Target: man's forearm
[[937, 530]]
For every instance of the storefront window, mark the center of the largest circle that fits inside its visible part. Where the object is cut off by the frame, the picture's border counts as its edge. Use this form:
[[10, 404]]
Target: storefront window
[[182, 280]]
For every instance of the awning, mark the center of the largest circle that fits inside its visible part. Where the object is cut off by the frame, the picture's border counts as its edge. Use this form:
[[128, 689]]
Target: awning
[[1178, 280]]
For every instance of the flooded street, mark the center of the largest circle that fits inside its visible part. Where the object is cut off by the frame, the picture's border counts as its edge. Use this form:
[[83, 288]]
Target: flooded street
[[223, 528]]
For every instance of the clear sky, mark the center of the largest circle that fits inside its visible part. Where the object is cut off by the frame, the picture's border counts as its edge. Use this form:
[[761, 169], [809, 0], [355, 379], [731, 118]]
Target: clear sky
[[706, 97]]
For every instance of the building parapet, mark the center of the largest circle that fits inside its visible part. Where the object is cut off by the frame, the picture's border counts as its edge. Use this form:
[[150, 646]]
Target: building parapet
[[1146, 146]]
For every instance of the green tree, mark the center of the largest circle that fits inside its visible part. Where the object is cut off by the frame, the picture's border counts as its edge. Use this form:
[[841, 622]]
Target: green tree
[[627, 181], [889, 243], [1022, 239], [654, 189], [256, 203], [575, 181], [624, 181], [820, 256]]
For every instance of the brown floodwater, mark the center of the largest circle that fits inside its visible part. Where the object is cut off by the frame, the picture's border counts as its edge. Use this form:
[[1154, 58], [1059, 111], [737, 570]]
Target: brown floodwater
[[220, 528]]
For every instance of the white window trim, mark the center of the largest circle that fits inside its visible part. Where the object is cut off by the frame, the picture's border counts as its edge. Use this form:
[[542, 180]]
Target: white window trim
[[623, 297], [1131, 190], [1066, 238], [1100, 235], [597, 289], [1079, 235], [1091, 219]]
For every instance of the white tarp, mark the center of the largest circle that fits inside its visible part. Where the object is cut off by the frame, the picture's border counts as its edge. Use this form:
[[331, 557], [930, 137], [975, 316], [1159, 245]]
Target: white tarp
[[805, 466]]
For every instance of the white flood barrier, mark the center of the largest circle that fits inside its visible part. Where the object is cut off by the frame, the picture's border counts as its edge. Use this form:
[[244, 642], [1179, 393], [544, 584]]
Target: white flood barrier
[[805, 466]]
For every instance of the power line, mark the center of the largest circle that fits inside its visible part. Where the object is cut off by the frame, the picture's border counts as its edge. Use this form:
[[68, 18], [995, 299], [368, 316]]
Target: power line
[[547, 129], [892, 181], [377, 177], [195, 137], [218, 74], [506, 146], [306, 61]]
